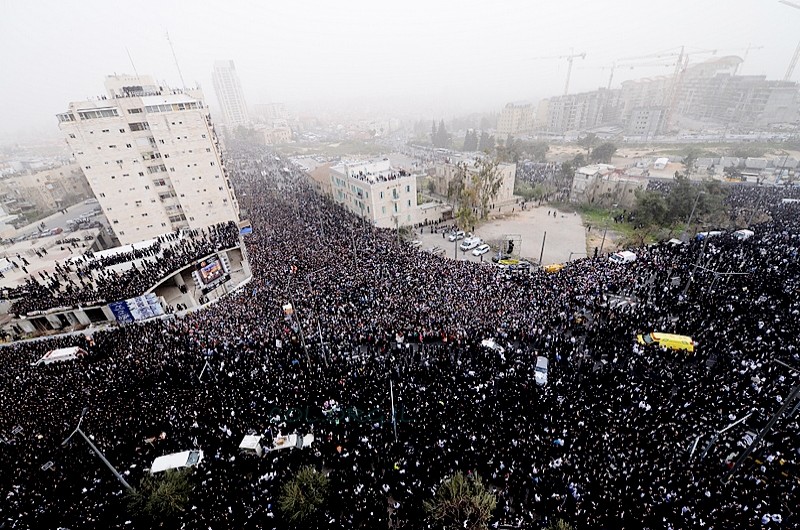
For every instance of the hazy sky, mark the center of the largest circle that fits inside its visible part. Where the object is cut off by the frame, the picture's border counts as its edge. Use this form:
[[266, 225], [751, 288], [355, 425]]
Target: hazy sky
[[430, 57]]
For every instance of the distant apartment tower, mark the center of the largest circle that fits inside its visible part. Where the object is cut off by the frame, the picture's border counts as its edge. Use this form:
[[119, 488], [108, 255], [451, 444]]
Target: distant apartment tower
[[515, 119], [229, 94], [151, 157]]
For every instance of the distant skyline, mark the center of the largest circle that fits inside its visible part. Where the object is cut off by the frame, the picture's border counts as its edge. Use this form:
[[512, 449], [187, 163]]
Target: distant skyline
[[412, 58]]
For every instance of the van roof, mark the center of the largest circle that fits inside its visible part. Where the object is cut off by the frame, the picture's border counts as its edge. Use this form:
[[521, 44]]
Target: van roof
[[671, 336]]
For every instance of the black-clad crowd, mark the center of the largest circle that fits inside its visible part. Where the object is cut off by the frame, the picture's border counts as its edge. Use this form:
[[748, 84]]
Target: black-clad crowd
[[89, 280], [618, 438]]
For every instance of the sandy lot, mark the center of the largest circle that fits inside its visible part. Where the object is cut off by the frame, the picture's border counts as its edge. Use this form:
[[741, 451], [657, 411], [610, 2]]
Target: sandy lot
[[565, 234]]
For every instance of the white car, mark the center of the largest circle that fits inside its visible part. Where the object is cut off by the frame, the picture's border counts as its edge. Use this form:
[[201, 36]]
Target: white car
[[455, 236], [541, 370], [481, 250]]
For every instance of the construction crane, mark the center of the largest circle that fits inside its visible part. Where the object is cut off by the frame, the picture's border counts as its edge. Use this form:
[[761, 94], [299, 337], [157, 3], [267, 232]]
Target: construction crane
[[570, 57], [614, 66], [793, 62]]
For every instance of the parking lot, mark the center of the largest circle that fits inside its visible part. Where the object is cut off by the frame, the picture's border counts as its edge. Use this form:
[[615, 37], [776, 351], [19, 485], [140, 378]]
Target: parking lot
[[565, 234]]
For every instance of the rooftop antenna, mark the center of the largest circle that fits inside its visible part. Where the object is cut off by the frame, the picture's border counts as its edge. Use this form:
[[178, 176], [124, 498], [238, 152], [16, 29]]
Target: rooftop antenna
[[171, 47], [131, 60]]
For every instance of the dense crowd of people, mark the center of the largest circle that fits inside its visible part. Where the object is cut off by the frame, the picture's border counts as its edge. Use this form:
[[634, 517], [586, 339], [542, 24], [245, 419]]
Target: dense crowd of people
[[622, 435], [89, 280]]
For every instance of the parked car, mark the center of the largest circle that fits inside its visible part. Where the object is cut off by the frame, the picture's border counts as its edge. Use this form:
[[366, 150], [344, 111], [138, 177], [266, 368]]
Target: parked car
[[455, 236], [91, 201], [416, 243], [481, 250]]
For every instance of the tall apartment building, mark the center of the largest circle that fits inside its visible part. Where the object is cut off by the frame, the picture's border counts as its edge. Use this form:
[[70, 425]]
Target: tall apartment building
[[376, 191], [515, 119], [574, 112], [229, 94], [151, 157]]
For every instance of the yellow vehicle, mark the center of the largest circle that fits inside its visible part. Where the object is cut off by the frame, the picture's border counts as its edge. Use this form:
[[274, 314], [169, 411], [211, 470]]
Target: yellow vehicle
[[667, 340], [553, 267]]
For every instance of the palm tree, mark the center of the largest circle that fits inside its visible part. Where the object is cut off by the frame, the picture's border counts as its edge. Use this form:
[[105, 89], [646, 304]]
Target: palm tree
[[304, 497], [559, 524], [462, 502], [161, 496]]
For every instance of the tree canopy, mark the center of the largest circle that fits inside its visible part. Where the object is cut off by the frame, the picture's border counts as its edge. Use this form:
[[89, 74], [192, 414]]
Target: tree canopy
[[462, 502]]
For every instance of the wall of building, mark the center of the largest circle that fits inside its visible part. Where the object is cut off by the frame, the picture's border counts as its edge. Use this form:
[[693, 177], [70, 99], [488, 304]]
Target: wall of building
[[152, 161]]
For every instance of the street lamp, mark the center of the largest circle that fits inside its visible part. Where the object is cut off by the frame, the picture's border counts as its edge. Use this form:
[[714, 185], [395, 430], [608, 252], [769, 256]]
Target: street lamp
[[96, 451], [691, 214]]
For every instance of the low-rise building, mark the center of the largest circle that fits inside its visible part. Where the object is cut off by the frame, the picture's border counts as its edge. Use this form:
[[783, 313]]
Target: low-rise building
[[445, 174], [584, 176], [376, 191], [50, 189]]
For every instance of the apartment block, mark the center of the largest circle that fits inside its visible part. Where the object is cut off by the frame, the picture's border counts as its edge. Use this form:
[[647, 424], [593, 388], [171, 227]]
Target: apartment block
[[151, 157]]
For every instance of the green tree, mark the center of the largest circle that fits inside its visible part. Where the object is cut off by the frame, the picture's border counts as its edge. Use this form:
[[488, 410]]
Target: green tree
[[461, 502], [603, 152], [484, 144], [161, 497], [588, 142], [650, 208], [487, 181], [690, 159], [539, 151], [304, 497], [579, 160], [442, 136], [559, 524]]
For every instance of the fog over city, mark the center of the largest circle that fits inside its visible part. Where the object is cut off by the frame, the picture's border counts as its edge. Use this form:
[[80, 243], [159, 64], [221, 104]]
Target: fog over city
[[420, 265], [418, 58]]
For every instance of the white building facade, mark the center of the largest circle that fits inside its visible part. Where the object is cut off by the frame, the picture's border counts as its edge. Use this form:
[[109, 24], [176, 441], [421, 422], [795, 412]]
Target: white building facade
[[151, 157], [229, 94], [376, 191]]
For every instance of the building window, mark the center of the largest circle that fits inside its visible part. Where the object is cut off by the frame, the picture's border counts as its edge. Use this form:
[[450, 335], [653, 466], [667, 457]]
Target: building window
[[71, 135], [128, 146], [408, 189]]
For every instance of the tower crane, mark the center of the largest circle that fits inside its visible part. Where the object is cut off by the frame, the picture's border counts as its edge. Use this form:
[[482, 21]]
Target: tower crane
[[630, 66], [793, 62], [570, 57]]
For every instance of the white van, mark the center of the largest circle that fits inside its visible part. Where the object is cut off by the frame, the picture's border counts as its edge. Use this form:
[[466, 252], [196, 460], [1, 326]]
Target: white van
[[625, 256], [742, 235], [541, 370]]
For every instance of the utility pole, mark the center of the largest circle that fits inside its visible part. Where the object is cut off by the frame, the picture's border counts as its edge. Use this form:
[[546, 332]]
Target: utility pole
[[541, 254], [96, 451], [691, 214], [775, 417]]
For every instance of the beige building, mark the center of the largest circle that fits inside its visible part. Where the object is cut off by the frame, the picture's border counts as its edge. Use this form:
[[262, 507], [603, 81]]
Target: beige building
[[49, 189], [377, 191], [515, 119], [151, 157], [604, 185], [445, 174], [276, 133]]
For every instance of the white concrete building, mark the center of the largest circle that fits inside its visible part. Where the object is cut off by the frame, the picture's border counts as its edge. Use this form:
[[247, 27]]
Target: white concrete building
[[151, 157], [229, 94], [376, 191]]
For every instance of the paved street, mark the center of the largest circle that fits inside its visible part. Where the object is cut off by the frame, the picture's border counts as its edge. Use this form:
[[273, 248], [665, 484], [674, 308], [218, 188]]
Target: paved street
[[60, 219]]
